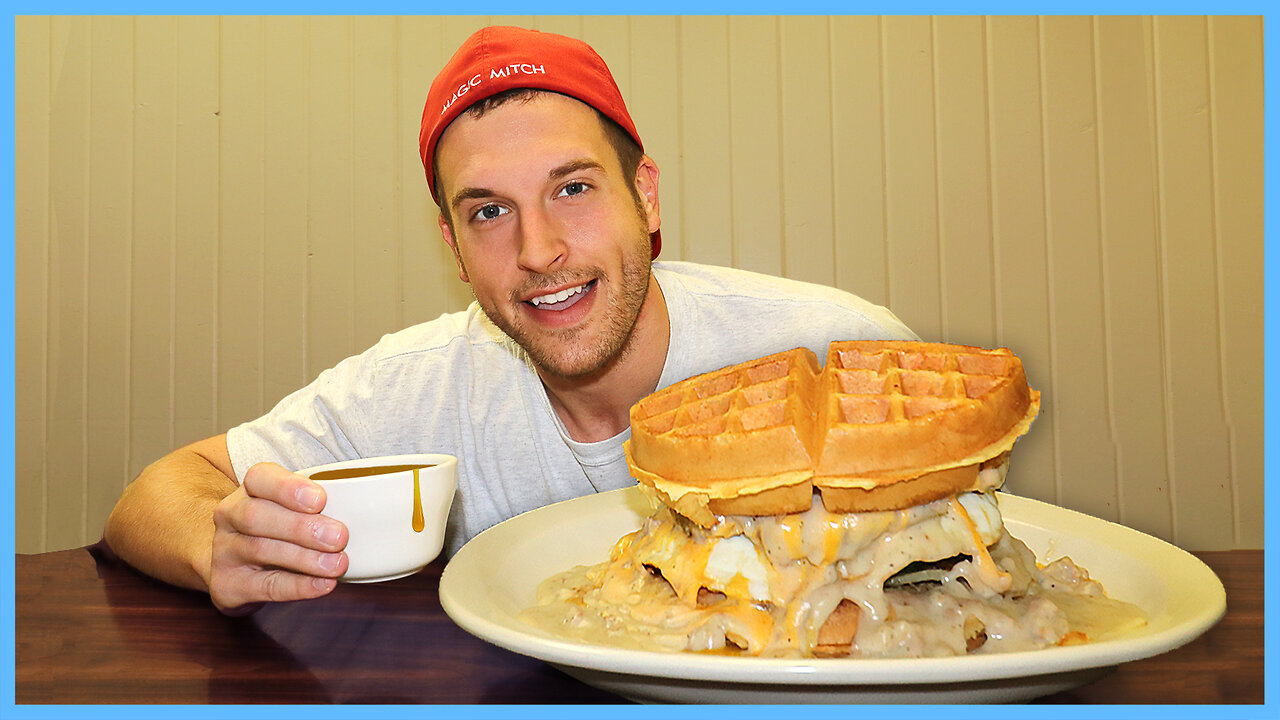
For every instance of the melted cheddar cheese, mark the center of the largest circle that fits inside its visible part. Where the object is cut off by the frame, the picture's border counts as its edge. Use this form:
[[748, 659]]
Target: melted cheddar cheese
[[766, 585]]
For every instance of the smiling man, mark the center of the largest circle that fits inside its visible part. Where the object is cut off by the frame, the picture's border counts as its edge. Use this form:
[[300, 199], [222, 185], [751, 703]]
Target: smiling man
[[550, 206], [558, 237]]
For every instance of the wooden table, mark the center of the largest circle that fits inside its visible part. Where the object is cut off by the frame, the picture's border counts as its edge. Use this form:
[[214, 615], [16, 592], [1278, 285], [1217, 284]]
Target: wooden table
[[90, 629]]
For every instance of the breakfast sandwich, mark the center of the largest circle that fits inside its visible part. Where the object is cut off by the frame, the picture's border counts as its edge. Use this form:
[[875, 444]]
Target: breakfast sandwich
[[837, 510]]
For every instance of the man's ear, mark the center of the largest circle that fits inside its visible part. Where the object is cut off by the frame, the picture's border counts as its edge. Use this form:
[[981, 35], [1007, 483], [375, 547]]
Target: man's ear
[[447, 232], [647, 186]]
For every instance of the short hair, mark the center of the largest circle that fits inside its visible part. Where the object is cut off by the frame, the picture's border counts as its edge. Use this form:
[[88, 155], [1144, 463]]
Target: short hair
[[624, 146]]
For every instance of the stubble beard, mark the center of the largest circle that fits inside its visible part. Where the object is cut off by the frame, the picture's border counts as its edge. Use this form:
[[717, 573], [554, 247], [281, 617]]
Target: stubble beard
[[583, 351]]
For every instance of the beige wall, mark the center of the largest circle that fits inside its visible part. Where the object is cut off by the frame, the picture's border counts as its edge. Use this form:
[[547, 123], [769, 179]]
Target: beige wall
[[212, 210]]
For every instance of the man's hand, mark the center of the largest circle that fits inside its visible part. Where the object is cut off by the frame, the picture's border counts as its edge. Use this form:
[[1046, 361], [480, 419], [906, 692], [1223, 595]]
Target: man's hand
[[271, 543]]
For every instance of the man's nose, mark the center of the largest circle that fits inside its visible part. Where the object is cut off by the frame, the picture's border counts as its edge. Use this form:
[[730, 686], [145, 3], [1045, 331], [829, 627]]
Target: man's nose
[[542, 244]]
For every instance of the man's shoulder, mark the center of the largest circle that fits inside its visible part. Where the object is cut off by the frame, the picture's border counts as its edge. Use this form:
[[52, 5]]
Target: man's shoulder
[[464, 331], [718, 281], [769, 309]]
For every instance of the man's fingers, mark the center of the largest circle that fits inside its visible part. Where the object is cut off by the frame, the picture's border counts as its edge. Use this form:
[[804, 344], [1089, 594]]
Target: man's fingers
[[246, 591], [252, 570], [276, 554], [271, 482], [259, 518]]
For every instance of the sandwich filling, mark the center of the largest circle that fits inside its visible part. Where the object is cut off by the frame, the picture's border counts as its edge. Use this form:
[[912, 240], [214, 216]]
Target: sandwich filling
[[938, 579]]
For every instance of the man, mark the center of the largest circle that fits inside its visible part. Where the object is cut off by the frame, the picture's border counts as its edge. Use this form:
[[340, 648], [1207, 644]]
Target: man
[[551, 209]]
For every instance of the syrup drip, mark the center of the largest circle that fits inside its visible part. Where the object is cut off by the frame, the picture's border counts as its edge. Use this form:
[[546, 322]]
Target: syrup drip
[[419, 523]]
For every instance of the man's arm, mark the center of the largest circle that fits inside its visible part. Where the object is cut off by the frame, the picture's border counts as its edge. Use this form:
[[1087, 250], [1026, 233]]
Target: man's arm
[[184, 520]]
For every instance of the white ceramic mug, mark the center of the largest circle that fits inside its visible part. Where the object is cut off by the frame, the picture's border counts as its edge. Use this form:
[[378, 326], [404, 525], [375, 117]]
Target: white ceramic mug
[[395, 508]]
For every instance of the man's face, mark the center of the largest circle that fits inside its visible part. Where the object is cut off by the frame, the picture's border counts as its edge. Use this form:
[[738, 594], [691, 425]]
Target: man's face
[[547, 230]]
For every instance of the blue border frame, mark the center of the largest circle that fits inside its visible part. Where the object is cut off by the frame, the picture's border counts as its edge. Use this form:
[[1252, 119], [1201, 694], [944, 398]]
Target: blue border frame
[[7, 311]]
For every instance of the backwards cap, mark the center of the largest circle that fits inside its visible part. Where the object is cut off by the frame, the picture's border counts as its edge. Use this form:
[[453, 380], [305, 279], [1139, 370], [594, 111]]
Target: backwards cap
[[495, 59]]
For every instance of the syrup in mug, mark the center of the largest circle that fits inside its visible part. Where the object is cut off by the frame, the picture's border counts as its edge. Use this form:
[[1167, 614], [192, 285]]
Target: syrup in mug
[[419, 521]]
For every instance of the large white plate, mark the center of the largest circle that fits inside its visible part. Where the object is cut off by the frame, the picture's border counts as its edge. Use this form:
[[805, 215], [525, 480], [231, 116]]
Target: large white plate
[[495, 576]]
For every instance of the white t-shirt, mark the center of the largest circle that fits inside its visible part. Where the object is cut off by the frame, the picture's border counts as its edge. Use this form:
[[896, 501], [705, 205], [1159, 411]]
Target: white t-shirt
[[458, 385]]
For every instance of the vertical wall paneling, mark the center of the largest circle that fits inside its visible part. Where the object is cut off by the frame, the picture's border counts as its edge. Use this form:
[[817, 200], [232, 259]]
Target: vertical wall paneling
[[376, 251], [1131, 269], [1193, 367], [911, 178], [704, 145], [569, 24], [562, 24], [196, 238], [966, 266], [858, 188], [427, 272], [417, 45], [66, 460], [331, 283], [1081, 391], [1236, 123], [151, 281], [755, 144], [110, 247], [808, 230], [286, 151], [241, 209], [212, 210], [609, 35], [32, 102], [655, 85], [1018, 234]]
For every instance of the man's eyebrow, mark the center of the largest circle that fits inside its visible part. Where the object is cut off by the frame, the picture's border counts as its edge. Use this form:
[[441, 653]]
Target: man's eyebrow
[[573, 166], [468, 194]]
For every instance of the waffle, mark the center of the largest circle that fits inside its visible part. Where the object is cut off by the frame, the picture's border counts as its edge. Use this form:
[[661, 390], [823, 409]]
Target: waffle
[[736, 441], [883, 426]]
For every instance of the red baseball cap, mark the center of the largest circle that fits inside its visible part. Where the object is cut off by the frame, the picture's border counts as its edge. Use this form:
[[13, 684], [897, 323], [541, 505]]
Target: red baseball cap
[[495, 59]]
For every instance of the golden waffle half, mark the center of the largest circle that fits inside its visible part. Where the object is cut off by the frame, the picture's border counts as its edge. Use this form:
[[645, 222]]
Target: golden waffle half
[[885, 425]]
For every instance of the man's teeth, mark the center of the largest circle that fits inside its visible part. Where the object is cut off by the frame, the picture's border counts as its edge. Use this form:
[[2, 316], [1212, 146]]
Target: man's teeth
[[559, 296]]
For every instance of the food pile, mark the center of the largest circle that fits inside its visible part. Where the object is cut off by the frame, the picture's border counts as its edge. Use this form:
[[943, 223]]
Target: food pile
[[842, 510]]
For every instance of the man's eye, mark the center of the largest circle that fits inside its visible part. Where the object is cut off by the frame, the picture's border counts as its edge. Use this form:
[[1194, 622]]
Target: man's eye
[[490, 212], [574, 188]]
